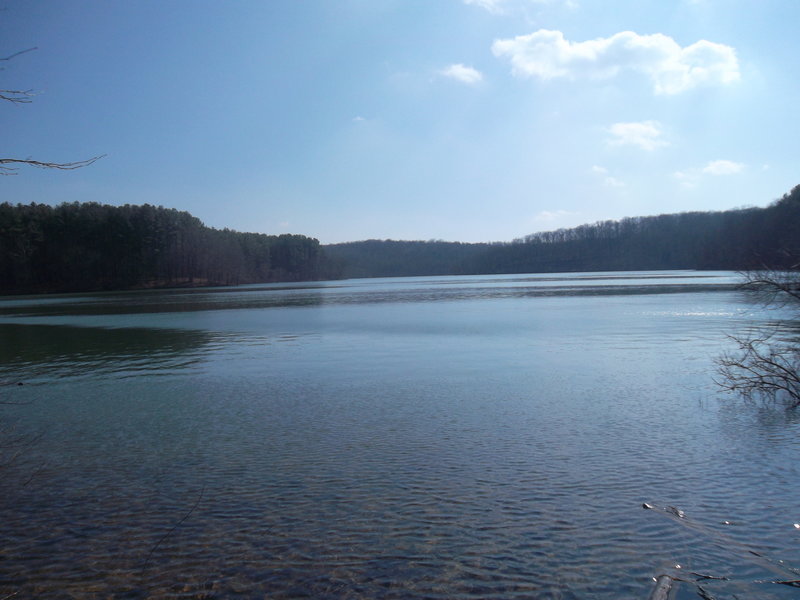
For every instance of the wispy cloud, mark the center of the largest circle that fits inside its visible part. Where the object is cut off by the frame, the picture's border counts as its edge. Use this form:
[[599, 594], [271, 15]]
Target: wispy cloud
[[672, 69], [644, 134], [553, 218], [607, 179], [687, 179], [463, 74], [690, 177], [722, 167], [500, 7], [493, 6]]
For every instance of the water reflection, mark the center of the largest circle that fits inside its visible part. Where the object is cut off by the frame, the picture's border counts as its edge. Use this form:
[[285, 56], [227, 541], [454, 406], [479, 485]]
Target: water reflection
[[33, 351], [171, 301]]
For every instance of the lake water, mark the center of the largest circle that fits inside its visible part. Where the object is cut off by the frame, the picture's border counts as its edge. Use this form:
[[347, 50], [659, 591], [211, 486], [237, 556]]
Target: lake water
[[442, 438]]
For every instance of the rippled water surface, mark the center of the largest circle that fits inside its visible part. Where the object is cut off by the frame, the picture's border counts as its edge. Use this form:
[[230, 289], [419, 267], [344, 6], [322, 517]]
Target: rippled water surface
[[453, 437]]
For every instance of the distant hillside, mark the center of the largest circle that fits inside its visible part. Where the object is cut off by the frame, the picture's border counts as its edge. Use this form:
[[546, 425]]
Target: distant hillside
[[734, 239], [80, 247], [390, 258]]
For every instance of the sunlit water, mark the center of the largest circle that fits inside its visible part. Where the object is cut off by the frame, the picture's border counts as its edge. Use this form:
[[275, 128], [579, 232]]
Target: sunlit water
[[452, 437]]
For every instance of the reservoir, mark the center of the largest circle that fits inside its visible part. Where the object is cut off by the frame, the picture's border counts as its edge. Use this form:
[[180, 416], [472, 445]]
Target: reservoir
[[440, 438]]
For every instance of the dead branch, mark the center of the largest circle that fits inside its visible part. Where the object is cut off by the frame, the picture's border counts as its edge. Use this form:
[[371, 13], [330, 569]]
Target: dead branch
[[9, 166], [765, 367], [17, 96], [774, 286], [7, 170], [761, 371], [16, 54]]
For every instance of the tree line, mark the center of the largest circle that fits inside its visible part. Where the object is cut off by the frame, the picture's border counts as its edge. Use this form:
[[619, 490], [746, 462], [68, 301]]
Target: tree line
[[91, 246], [740, 239]]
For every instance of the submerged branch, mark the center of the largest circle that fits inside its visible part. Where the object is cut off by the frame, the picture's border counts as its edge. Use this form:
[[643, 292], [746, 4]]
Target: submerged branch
[[786, 574], [174, 527]]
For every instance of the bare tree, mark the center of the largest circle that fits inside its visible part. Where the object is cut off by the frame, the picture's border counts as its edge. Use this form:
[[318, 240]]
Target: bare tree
[[9, 166], [766, 367]]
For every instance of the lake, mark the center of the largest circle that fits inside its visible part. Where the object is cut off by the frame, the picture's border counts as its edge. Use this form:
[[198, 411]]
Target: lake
[[439, 437]]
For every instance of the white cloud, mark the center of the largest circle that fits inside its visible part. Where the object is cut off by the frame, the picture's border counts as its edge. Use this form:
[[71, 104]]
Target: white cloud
[[645, 134], [722, 167], [608, 180], [672, 69], [690, 177], [463, 74]]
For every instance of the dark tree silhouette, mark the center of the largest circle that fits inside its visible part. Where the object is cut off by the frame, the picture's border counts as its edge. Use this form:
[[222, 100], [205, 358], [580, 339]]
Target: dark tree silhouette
[[89, 246]]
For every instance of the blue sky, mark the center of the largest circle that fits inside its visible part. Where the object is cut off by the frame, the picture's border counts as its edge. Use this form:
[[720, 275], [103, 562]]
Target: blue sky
[[464, 120]]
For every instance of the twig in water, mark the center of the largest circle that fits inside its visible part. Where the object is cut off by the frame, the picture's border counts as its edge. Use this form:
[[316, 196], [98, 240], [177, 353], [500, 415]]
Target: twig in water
[[702, 576], [174, 527], [704, 594]]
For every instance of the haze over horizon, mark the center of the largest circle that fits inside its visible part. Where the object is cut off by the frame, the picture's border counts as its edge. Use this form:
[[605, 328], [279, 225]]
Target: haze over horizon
[[464, 120]]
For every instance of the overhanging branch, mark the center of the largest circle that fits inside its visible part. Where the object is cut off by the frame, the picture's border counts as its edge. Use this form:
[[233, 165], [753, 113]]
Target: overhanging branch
[[17, 96], [69, 166], [16, 54]]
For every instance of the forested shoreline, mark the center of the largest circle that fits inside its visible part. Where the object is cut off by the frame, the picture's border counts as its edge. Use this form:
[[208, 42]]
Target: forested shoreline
[[740, 239], [76, 247], [88, 246]]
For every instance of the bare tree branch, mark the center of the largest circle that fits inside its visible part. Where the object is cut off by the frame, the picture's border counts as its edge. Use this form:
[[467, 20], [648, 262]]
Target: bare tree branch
[[774, 286], [766, 368], [17, 96], [9, 166], [6, 170], [16, 54]]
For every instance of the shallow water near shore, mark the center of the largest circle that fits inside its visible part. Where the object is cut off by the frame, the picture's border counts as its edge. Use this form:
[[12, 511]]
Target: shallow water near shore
[[443, 437]]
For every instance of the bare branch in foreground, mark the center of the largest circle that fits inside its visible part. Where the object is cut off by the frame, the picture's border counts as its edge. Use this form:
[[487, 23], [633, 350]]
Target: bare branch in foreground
[[774, 286], [16, 54], [762, 371], [765, 367], [9, 166], [7, 170], [17, 96]]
